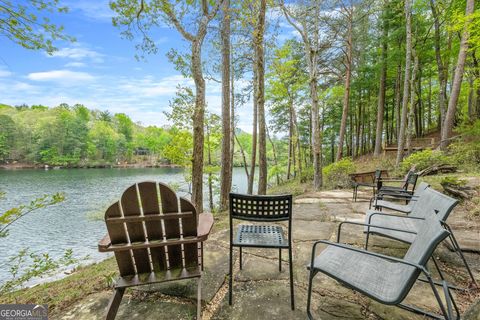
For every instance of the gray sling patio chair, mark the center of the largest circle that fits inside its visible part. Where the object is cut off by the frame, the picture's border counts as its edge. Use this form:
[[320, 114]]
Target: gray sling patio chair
[[384, 278], [155, 237], [261, 209], [380, 202], [429, 201]]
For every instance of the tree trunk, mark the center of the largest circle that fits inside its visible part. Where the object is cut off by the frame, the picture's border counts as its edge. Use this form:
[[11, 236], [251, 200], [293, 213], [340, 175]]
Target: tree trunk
[[198, 123], [275, 160], [398, 88], [210, 177], [442, 68], [346, 95], [245, 165], [411, 113], [226, 170], [253, 161], [457, 80], [381, 90], [259, 61], [408, 62]]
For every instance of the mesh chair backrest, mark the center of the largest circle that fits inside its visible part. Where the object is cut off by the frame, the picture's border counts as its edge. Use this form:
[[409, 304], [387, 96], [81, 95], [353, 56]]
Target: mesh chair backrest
[[418, 194], [260, 208], [411, 181], [429, 235], [149, 213], [432, 201]]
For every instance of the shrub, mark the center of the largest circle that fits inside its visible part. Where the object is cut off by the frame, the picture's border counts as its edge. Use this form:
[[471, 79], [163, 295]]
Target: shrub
[[335, 175], [424, 159], [466, 151]]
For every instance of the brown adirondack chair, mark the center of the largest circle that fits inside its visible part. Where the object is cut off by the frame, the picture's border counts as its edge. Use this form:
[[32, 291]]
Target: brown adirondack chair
[[155, 238]]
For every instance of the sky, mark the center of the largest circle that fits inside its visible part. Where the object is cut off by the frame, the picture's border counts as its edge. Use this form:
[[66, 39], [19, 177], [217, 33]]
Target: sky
[[100, 71]]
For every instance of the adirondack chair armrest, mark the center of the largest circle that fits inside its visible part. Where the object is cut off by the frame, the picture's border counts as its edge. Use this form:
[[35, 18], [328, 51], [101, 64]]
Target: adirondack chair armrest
[[368, 225], [205, 224], [104, 243], [379, 255]]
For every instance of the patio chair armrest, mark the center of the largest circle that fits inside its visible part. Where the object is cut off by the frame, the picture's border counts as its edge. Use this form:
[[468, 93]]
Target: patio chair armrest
[[390, 180], [379, 255], [368, 225], [392, 194], [391, 215], [104, 243], [205, 224]]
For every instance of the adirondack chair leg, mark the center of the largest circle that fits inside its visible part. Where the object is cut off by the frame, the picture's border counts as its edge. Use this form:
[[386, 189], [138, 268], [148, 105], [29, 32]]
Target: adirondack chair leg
[[199, 299], [290, 264], [230, 277], [114, 303], [280, 260], [457, 248]]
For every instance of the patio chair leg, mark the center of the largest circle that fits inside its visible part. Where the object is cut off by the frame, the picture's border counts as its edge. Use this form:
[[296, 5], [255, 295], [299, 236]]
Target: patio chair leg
[[309, 293], [290, 264], [114, 303], [230, 277], [280, 260], [457, 248], [240, 258], [201, 253], [199, 299]]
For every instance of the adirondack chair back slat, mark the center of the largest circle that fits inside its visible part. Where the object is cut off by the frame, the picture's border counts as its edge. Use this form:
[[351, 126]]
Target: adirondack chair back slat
[[172, 226], [118, 236], [131, 207], [147, 214], [151, 207], [189, 228]]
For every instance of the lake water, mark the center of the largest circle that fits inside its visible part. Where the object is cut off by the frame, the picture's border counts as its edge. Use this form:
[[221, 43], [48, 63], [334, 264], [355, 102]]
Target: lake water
[[69, 225]]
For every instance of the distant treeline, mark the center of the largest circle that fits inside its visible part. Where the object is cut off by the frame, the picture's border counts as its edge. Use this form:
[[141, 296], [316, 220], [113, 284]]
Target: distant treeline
[[77, 136]]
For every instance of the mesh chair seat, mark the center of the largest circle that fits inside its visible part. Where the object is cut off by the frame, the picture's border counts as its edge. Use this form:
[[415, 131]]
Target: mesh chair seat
[[378, 278], [403, 223], [260, 235]]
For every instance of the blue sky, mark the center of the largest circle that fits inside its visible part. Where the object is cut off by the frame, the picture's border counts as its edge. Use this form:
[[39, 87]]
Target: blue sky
[[99, 70]]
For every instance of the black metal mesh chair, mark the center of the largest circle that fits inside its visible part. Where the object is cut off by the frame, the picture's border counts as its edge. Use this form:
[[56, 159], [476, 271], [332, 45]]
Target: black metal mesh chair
[[261, 209]]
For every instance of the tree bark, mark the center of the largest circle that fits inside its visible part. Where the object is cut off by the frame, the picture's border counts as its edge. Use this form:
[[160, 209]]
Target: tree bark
[[260, 63], [408, 62], [442, 68], [226, 169], [411, 112], [457, 79], [346, 95], [381, 90]]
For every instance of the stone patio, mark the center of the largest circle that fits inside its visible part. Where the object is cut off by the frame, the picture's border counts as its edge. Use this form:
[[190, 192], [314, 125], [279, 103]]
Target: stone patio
[[262, 292]]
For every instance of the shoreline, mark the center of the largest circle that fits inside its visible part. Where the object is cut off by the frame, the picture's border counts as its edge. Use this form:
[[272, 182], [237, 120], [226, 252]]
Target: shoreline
[[20, 166]]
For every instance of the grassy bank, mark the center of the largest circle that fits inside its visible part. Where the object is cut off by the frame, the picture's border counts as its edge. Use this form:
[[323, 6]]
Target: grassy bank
[[61, 294]]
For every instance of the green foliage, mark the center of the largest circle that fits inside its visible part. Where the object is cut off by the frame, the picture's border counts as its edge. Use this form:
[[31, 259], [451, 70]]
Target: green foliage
[[26, 23], [424, 159], [11, 215], [466, 151], [336, 174], [453, 181]]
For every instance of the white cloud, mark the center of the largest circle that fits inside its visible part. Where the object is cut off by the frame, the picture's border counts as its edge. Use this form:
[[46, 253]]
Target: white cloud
[[5, 73], [97, 10], [75, 64], [78, 53], [61, 76]]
